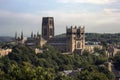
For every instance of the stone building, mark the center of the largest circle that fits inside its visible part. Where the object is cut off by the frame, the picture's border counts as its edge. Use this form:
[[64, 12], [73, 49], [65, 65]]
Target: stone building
[[47, 28], [21, 39], [4, 52], [112, 50], [73, 41]]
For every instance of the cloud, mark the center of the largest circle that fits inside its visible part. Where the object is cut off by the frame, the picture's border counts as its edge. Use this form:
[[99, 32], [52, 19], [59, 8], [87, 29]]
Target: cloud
[[111, 10], [11, 22], [94, 21], [88, 1], [105, 21]]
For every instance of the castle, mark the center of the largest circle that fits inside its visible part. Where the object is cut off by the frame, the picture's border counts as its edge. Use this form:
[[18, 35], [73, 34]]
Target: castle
[[72, 42]]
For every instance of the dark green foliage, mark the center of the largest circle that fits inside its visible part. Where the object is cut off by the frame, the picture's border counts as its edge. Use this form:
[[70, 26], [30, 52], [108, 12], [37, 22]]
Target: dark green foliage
[[100, 56], [24, 64], [117, 61], [63, 77], [108, 74], [28, 72], [104, 38], [87, 75], [93, 72]]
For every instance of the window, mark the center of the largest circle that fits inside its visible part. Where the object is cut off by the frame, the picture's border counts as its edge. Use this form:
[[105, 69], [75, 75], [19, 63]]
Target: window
[[50, 22], [45, 32], [51, 31], [78, 36], [78, 45]]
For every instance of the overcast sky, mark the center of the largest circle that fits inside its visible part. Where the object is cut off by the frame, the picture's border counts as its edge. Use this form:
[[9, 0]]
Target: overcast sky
[[101, 16]]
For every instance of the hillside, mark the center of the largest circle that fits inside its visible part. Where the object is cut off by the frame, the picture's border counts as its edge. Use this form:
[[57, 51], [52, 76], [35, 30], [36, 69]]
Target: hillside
[[6, 39]]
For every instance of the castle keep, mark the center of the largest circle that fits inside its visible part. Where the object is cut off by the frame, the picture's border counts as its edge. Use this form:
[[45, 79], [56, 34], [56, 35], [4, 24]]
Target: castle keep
[[72, 42]]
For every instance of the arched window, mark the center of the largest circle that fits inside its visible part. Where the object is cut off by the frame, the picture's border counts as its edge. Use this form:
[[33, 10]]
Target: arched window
[[78, 45], [51, 31], [51, 22]]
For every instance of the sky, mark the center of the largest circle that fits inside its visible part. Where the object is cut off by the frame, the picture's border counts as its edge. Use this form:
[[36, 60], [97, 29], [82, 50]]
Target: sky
[[98, 16]]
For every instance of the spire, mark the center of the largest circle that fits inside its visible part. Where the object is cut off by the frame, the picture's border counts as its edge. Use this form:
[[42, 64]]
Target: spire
[[37, 34], [16, 35], [22, 35], [32, 34]]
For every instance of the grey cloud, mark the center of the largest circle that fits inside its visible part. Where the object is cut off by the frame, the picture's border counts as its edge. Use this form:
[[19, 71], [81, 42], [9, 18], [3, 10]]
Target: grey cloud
[[94, 22], [88, 1], [12, 22]]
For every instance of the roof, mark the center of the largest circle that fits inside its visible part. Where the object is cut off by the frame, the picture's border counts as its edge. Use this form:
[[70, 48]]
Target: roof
[[60, 39]]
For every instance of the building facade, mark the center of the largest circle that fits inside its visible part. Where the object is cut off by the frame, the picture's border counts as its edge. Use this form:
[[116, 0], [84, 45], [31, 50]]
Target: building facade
[[73, 41], [47, 27]]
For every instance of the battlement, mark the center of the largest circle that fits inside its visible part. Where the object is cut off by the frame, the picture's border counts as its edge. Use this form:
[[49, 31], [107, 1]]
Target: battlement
[[75, 30], [47, 27], [75, 38], [48, 21]]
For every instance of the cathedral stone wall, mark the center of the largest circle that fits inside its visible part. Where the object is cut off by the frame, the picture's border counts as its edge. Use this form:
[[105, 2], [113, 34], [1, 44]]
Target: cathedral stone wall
[[90, 48], [72, 42], [47, 27], [4, 52], [75, 38]]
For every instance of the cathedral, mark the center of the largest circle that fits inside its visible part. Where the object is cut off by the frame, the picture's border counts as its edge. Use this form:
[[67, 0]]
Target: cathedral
[[73, 41]]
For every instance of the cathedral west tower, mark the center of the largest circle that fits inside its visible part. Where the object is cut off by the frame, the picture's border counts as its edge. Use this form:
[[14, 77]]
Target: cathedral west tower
[[47, 27]]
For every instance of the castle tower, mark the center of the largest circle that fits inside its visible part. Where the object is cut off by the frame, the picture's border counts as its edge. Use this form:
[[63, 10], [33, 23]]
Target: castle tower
[[75, 39], [47, 27]]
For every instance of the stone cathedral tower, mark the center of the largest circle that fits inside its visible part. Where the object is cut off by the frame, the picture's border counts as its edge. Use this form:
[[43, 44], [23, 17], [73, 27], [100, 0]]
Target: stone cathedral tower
[[47, 27], [75, 39]]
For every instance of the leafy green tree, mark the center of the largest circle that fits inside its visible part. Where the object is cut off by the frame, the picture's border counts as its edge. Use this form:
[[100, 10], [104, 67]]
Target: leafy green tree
[[63, 77], [108, 74], [43, 75], [90, 75], [117, 61], [2, 77], [28, 71], [14, 72], [23, 64]]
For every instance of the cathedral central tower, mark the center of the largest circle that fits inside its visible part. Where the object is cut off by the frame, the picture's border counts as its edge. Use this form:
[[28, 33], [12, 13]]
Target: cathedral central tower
[[75, 39], [47, 27]]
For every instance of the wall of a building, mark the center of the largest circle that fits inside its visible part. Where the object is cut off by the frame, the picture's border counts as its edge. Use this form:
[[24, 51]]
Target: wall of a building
[[4, 52], [75, 38]]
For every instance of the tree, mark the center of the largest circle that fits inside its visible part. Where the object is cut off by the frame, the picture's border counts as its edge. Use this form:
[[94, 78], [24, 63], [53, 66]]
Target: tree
[[117, 61], [108, 74], [90, 75], [14, 72], [2, 77]]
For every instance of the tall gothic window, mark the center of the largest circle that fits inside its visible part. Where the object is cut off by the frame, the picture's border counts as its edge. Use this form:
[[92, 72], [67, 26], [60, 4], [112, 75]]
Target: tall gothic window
[[45, 32], [51, 31], [78, 45], [50, 22]]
